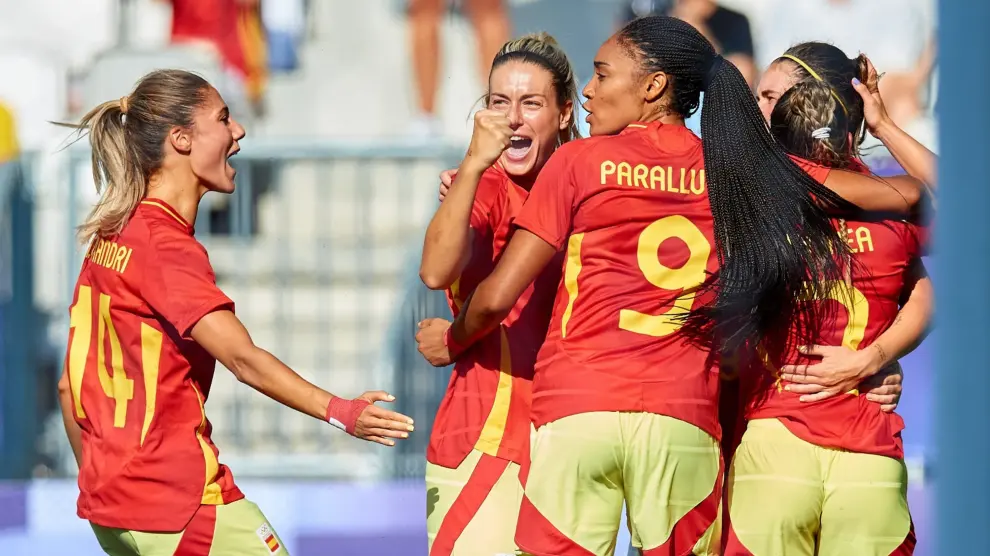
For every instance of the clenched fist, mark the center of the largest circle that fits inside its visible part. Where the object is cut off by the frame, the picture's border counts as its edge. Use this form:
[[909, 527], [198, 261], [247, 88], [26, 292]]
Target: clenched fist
[[492, 135]]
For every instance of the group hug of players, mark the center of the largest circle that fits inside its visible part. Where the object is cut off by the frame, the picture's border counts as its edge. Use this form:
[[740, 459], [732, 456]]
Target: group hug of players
[[703, 330]]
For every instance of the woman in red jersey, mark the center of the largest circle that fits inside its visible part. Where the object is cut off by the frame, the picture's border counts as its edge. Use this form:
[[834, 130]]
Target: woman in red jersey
[[841, 457], [841, 367], [481, 432], [147, 326], [624, 394]]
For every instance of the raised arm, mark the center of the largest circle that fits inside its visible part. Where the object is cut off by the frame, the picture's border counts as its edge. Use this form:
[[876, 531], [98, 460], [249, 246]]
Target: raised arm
[[447, 246], [222, 335], [896, 195], [916, 159]]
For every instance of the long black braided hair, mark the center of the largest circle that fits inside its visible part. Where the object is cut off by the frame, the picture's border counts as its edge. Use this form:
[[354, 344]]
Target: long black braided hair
[[775, 241]]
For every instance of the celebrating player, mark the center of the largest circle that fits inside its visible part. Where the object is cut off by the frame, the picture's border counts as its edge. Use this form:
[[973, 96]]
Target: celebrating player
[[897, 195], [481, 432], [624, 403], [841, 458], [148, 324]]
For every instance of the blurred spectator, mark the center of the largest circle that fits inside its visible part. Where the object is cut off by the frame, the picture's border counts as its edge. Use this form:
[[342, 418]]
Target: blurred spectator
[[491, 28], [8, 135], [232, 29], [285, 22], [726, 29], [254, 45], [897, 35]]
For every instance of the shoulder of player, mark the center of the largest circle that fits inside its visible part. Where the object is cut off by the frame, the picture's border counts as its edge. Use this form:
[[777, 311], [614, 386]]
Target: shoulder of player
[[587, 151], [164, 235]]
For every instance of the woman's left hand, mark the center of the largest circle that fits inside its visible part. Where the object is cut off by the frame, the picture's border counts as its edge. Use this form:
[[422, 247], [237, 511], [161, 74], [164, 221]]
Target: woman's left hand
[[840, 370], [431, 344]]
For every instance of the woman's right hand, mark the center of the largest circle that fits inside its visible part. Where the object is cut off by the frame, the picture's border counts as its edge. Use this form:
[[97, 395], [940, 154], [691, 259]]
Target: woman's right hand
[[874, 111], [492, 135]]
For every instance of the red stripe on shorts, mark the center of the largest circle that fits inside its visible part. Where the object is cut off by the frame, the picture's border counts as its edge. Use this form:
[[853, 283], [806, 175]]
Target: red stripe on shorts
[[468, 502], [535, 535], [907, 547], [690, 528], [197, 539]]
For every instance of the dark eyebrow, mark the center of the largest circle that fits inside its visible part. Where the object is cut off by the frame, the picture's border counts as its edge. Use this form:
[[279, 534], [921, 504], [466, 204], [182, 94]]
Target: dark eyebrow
[[600, 65]]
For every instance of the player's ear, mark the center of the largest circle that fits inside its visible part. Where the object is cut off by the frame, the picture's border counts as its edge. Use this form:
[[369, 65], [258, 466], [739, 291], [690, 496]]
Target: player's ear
[[654, 86], [180, 139], [566, 116]]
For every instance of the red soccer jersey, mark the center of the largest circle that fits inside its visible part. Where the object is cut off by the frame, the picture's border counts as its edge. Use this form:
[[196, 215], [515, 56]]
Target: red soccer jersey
[[885, 252], [632, 213], [487, 403], [139, 381]]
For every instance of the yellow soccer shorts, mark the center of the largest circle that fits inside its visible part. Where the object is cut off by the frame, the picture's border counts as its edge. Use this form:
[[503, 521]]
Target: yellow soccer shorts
[[472, 510], [789, 497], [235, 529], [584, 466]]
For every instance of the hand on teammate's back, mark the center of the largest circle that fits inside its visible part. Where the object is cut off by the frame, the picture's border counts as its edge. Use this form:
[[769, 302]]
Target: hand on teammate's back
[[840, 370], [363, 419], [885, 387], [430, 338]]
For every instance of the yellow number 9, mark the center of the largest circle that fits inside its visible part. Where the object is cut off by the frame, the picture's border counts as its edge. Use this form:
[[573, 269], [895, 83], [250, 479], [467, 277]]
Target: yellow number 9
[[687, 277]]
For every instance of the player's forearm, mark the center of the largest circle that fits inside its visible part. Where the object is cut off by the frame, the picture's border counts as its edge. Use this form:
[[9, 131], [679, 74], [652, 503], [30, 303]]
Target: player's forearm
[[446, 248], [72, 430], [909, 329], [480, 315], [900, 194], [916, 159], [265, 373]]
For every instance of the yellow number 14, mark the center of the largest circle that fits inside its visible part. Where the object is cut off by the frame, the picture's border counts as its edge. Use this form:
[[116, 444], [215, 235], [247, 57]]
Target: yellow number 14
[[113, 380]]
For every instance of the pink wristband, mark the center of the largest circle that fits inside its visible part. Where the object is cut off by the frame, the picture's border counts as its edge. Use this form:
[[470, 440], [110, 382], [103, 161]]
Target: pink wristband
[[453, 347], [344, 414]]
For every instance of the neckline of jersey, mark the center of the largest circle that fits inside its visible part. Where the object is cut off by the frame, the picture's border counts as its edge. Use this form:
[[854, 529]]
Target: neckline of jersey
[[167, 209]]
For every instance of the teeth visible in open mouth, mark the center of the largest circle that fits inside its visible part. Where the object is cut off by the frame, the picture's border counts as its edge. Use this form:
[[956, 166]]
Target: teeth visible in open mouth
[[517, 142]]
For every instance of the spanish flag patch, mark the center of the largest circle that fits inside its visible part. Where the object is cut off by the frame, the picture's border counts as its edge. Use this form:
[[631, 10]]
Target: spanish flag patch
[[267, 536]]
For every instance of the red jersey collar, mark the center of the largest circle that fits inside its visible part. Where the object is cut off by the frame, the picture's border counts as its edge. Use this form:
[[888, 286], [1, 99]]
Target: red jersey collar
[[160, 205]]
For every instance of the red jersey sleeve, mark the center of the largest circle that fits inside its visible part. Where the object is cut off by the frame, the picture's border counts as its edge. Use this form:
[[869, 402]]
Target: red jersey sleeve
[[549, 210], [490, 189], [817, 171], [180, 284]]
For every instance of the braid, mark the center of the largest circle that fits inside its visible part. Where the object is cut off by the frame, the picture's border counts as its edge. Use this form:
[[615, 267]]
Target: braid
[[810, 123], [773, 236], [836, 71]]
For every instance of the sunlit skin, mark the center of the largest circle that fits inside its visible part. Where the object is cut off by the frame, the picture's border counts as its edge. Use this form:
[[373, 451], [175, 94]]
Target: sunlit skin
[[197, 158], [524, 93], [620, 93], [778, 78]]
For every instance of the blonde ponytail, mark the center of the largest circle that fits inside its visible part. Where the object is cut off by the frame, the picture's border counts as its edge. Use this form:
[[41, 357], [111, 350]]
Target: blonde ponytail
[[127, 137], [116, 172]]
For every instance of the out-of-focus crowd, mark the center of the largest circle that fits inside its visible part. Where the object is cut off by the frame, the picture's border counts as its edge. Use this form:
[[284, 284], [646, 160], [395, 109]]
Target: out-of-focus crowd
[[254, 39]]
